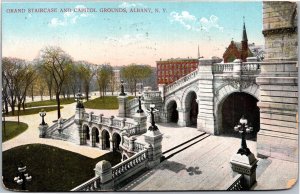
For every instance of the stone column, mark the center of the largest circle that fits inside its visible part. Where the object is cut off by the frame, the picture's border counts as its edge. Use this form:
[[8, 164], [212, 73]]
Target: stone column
[[43, 130], [141, 119], [154, 139], [111, 144], [245, 165], [131, 143], [182, 117], [104, 171], [122, 105]]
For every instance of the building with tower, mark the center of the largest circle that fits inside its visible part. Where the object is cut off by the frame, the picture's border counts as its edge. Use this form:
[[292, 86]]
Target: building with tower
[[238, 50]]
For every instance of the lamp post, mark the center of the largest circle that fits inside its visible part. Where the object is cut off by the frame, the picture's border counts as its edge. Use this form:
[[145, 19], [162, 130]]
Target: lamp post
[[43, 114], [243, 128], [153, 127], [22, 177], [122, 89], [140, 110]]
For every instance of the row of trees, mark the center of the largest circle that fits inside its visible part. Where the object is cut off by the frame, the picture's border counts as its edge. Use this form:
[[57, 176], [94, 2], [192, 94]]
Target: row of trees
[[55, 73]]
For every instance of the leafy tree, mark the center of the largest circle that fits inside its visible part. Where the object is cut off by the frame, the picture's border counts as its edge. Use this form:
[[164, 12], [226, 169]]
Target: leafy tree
[[55, 61], [134, 73]]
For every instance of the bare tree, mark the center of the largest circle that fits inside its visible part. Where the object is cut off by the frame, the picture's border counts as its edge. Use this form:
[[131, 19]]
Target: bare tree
[[104, 73], [86, 72], [54, 60]]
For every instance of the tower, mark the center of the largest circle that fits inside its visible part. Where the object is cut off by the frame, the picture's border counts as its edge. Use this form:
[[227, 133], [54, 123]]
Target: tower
[[244, 51]]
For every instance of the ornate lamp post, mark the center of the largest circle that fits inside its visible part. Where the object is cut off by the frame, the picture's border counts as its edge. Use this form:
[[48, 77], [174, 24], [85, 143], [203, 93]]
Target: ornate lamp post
[[140, 110], [153, 127], [79, 98], [22, 177], [243, 128], [43, 114], [122, 89]]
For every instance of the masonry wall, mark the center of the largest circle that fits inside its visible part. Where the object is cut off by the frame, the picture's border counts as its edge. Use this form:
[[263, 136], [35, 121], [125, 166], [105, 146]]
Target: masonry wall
[[280, 30], [278, 84]]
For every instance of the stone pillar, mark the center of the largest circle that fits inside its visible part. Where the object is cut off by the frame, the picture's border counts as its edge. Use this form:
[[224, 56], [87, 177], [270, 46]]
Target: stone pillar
[[131, 143], [161, 88], [111, 120], [206, 118], [182, 117], [79, 116], [154, 139], [104, 171], [43, 130], [111, 144], [141, 119], [122, 105], [245, 165]]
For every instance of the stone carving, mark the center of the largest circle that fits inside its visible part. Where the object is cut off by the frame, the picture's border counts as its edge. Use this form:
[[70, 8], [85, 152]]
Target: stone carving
[[239, 83]]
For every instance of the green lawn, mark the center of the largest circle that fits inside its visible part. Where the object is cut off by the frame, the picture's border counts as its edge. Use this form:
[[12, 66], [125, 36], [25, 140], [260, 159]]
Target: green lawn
[[106, 102], [49, 102], [30, 111], [52, 169], [12, 129]]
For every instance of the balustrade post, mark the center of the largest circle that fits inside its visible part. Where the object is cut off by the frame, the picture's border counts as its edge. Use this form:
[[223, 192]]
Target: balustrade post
[[123, 123], [111, 120], [122, 105], [131, 143], [103, 169], [91, 116], [100, 118]]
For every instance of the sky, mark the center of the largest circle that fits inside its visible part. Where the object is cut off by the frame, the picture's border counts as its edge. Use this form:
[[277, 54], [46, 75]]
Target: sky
[[119, 33]]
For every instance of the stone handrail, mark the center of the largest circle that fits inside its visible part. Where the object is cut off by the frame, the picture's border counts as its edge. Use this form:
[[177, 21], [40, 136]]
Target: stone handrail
[[95, 118], [90, 185], [250, 67], [105, 121], [132, 130], [117, 123], [173, 86], [151, 94], [222, 67], [132, 102], [138, 146], [129, 163], [237, 184], [52, 128]]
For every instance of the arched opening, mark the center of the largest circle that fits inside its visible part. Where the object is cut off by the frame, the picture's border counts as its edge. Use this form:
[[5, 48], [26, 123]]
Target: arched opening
[[191, 106], [105, 142], [116, 142], [172, 112], [234, 107], [95, 136], [86, 133]]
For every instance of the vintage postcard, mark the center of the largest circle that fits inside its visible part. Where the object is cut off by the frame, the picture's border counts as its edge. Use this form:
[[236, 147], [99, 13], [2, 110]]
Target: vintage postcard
[[149, 96]]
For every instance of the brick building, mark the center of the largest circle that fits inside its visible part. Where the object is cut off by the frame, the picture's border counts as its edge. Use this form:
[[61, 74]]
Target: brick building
[[238, 50], [171, 70]]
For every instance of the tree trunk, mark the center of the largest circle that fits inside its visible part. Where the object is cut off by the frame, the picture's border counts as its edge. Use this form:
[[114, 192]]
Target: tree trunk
[[50, 94], [6, 105], [19, 107], [23, 105], [58, 105], [32, 98]]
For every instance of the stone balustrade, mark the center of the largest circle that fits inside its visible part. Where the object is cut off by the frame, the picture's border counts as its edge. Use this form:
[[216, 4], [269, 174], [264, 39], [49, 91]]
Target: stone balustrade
[[90, 185], [132, 102], [151, 94], [138, 146], [244, 68], [64, 124], [182, 81], [237, 185], [222, 67], [128, 164], [250, 67]]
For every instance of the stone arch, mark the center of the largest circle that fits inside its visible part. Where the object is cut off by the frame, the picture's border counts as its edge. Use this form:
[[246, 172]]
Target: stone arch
[[85, 133], [172, 105], [95, 136], [116, 140], [190, 106], [105, 139], [173, 98], [226, 92]]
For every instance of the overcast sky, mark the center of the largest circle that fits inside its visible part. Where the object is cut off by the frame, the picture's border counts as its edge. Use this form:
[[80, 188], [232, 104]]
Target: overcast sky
[[132, 37]]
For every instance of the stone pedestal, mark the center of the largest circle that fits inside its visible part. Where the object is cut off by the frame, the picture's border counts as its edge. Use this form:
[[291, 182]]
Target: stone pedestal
[[141, 118], [43, 130], [104, 171], [245, 165], [154, 139], [122, 106]]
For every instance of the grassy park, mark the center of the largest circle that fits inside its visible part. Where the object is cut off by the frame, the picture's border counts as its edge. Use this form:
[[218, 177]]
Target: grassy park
[[52, 169], [12, 129], [105, 102]]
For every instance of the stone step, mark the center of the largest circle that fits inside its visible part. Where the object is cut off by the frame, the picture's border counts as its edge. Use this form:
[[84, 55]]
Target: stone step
[[181, 147]]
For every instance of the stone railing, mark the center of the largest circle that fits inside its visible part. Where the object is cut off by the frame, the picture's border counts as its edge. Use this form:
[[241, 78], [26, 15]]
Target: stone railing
[[138, 147], [237, 185], [181, 82], [132, 103], [129, 164], [51, 129], [250, 67], [151, 94], [222, 67], [90, 185]]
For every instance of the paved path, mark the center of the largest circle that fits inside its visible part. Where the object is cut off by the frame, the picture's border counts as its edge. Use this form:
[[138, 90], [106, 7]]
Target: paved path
[[31, 135]]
